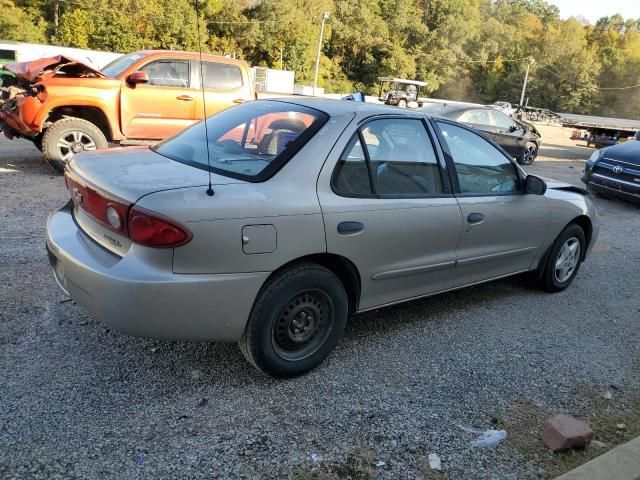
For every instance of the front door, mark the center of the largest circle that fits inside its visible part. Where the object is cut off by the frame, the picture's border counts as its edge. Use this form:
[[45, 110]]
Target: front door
[[162, 107], [503, 227], [509, 134], [388, 207]]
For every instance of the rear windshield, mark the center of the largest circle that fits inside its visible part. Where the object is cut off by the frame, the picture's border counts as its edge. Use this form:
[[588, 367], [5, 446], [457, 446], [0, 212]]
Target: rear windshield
[[250, 141]]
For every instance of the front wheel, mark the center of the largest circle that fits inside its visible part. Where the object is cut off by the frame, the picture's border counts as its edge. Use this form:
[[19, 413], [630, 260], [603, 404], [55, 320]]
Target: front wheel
[[69, 136], [296, 321], [529, 154], [564, 259], [402, 103]]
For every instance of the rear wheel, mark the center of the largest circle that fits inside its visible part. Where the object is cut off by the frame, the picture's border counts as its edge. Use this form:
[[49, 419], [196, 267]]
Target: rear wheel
[[564, 259], [402, 103], [529, 154], [296, 321], [69, 136]]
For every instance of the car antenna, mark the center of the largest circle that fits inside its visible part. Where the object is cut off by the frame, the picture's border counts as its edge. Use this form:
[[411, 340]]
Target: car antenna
[[204, 102]]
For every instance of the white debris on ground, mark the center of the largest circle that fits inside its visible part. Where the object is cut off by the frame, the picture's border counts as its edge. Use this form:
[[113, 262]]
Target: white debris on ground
[[434, 461], [489, 438]]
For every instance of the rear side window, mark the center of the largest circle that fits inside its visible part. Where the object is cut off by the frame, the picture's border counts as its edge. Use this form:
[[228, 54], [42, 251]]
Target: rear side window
[[221, 76], [478, 117], [249, 141], [389, 158], [168, 73]]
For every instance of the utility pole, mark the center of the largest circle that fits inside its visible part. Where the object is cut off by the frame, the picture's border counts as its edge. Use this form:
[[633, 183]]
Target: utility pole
[[530, 61], [325, 17]]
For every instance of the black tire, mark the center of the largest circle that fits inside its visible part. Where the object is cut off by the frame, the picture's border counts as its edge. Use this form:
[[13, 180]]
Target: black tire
[[296, 321], [79, 134], [402, 103], [550, 280], [529, 154]]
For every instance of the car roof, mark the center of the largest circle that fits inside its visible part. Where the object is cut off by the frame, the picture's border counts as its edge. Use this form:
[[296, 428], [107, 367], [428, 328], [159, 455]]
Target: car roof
[[339, 107], [445, 108]]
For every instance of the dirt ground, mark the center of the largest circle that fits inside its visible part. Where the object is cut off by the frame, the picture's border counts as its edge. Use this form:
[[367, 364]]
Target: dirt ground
[[556, 144]]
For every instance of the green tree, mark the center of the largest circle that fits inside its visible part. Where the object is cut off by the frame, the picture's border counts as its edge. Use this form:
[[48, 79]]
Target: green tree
[[16, 24]]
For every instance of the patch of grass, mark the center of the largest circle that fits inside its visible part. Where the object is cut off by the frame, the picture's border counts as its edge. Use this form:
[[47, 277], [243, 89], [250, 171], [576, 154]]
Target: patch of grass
[[525, 421], [359, 465]]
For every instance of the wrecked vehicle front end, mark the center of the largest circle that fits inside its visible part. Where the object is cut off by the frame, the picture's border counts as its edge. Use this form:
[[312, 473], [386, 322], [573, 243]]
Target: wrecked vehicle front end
[[22, 95]]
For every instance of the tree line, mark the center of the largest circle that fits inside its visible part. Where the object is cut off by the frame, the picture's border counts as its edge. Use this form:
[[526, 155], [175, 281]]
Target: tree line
[[473, 50]]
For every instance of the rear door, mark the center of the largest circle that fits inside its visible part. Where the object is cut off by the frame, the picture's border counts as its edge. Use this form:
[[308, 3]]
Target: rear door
[[503, 227], [162, 107], [388, 207], [225, 85]]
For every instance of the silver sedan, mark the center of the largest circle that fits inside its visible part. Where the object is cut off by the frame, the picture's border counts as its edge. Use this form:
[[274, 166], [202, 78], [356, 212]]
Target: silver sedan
[[273, 222]]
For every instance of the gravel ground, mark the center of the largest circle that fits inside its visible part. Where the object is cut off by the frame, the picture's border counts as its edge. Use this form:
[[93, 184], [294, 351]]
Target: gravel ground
[[80, 401]]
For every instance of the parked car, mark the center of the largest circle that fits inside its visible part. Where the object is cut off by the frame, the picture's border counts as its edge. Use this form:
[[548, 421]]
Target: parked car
[[67, 107], [615, 171], [301, 213], [520, 139]]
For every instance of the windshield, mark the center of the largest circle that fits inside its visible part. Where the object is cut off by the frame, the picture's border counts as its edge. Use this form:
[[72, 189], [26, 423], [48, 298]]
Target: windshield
[[250, 141], [120, 64]]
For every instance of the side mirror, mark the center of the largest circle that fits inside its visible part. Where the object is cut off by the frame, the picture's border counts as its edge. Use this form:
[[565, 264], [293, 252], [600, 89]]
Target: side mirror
[[534, 185], [514, 127], [138, 77]]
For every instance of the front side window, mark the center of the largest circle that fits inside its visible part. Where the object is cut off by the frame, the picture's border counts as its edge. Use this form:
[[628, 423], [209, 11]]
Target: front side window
[[221, 76], [168, 73], [250, 141], [482, 169], [500, 120], [397, 160]]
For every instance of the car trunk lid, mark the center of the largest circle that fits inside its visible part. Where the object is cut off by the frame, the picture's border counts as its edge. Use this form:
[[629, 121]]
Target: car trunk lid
[[118, 178]]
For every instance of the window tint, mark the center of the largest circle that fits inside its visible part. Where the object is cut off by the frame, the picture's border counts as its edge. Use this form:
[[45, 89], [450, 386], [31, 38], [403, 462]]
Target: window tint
[[221, 76], [403, 161], [479, 117], [168, 73], [481, 168], [352, 174], [501, 120]]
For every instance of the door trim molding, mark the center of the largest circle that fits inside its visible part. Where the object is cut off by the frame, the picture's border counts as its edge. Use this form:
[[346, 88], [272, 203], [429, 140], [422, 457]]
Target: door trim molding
[[404, 272], [494, 256]]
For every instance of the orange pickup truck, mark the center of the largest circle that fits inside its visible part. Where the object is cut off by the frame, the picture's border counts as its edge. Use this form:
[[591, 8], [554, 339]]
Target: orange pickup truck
[[65, 106]]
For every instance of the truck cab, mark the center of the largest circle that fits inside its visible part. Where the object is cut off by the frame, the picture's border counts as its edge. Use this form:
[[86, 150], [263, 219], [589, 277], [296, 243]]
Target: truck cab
[[66, 107]]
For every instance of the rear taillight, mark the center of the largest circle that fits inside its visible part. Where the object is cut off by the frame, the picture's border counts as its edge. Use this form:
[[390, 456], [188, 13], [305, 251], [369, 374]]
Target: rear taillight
[[154, 230], [108, 211]]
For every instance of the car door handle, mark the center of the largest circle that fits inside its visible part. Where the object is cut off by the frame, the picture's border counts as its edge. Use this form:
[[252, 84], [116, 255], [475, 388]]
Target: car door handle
[[185, 98], [350, 228], [475, 218], [238, 100]]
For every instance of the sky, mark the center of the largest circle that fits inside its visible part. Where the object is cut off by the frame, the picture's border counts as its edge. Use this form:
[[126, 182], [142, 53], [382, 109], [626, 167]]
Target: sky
[[592, 10]]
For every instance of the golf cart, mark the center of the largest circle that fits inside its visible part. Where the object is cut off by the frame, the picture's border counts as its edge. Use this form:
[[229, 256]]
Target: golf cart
[[400, 92]]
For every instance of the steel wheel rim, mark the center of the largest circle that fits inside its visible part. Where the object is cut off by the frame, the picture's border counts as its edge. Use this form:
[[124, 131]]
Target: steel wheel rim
[[303, 325], [567, 260], [529, 155], [72, 143]]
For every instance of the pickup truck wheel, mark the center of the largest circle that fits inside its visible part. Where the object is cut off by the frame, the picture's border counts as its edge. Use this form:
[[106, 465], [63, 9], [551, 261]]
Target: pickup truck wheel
[[296, 321], [66, 137]]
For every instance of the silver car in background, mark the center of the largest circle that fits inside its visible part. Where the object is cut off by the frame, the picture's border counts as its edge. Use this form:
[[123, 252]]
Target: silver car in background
[[318, 210]]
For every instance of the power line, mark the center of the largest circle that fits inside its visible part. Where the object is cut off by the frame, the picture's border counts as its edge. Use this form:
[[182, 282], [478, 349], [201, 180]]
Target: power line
[[552, 72]]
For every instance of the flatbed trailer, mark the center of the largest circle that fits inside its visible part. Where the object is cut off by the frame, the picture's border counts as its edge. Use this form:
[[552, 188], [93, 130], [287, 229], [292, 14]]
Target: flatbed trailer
[[600, 131]]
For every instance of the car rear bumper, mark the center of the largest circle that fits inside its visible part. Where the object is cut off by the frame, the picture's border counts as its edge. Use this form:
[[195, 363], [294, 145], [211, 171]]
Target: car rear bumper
[[630, 193], [138, 298]]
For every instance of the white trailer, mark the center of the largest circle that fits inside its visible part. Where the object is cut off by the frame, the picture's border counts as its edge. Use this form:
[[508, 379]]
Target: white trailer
[[11, 52]]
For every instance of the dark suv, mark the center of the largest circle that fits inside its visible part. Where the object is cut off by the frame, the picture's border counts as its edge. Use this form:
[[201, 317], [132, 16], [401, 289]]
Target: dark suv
[[615, 171]]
